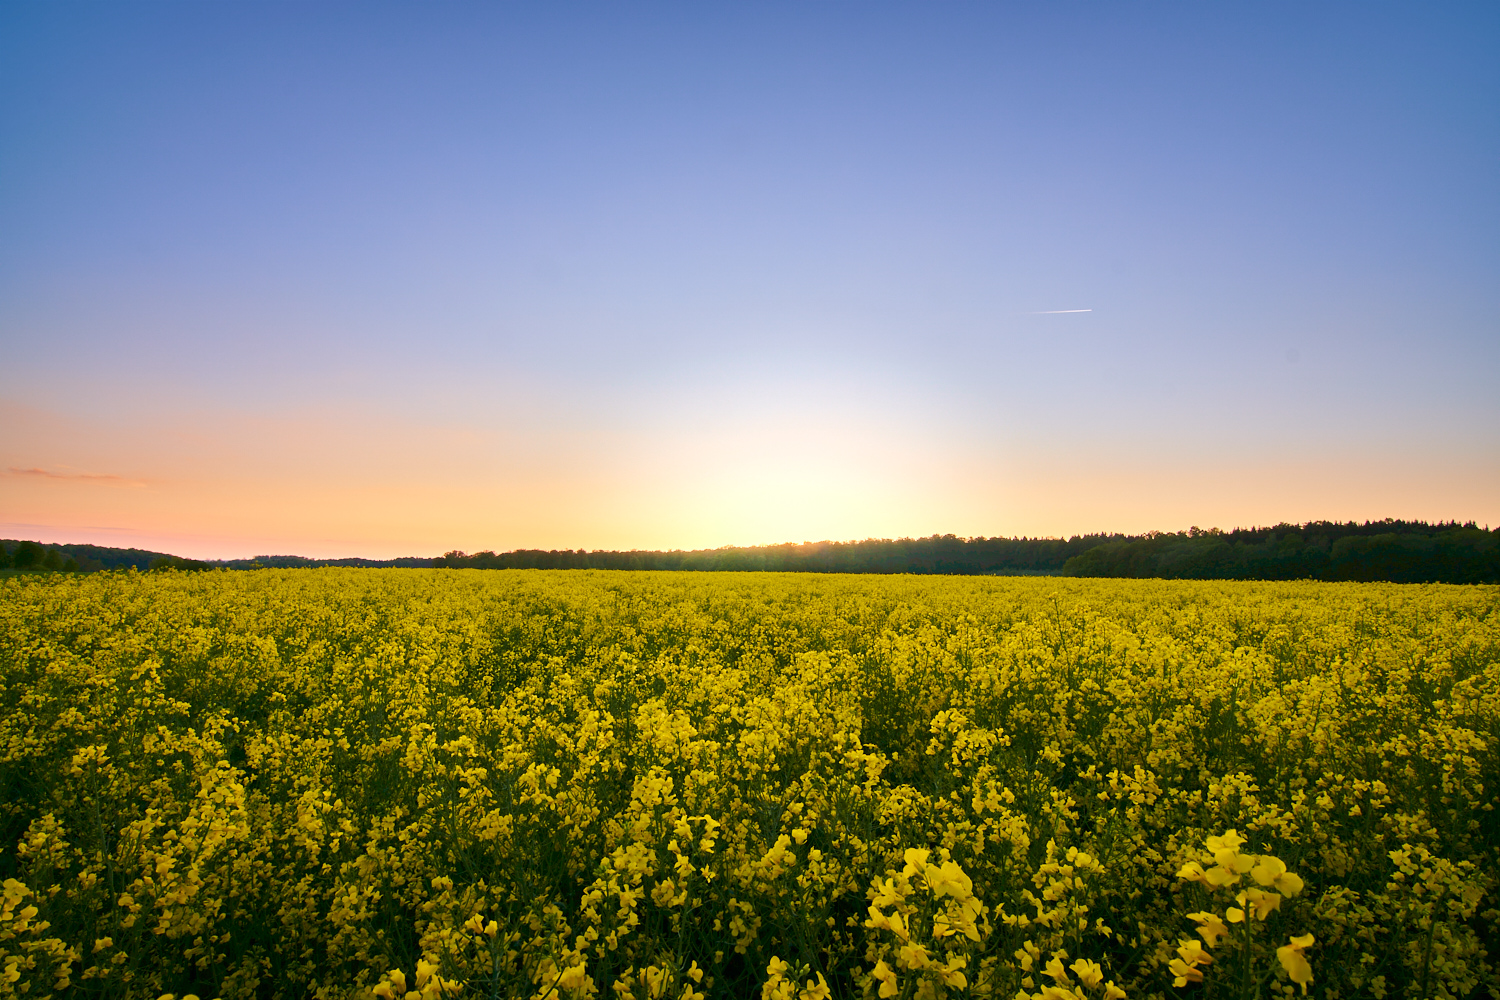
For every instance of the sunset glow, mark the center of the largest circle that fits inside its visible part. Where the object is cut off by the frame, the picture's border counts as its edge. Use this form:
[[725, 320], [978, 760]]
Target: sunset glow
[[396, 280]]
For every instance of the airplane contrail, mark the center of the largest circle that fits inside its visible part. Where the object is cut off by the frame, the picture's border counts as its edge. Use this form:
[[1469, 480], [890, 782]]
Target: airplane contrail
[[1054, 312]]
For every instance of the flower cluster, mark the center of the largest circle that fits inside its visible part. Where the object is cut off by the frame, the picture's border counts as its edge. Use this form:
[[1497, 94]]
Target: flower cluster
[[925, 921], [429, 784], [1266, 882]]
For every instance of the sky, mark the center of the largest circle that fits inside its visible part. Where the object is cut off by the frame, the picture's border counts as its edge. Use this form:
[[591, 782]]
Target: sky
[[394, 279]]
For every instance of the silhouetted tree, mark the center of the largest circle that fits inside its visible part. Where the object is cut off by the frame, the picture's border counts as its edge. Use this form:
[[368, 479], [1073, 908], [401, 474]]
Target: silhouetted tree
[[28, 555]]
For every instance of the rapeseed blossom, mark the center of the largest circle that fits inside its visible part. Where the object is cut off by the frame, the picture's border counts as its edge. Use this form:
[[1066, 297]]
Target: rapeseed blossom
[[1292, 959], [415, 785]]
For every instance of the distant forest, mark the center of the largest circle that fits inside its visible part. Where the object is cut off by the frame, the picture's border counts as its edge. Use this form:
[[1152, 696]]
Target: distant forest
[[1398, 551], [76, 558], [939, 554]]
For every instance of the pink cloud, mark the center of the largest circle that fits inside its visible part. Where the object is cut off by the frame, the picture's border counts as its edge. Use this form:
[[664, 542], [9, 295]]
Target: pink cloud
[[77, 477]]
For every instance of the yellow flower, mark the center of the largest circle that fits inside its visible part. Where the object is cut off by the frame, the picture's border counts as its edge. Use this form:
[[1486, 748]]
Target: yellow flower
[[1259, 901], [1271, 871], [1294, 962], [1268, 869], [1210, 927], [1225, 846], [17, 891], [394, 987], [1089, 973], [1056, 993], [1231, 842], [1187, 966], [886, 893], [912, 956], [948, 879], [573, 978], [1228, 874], [887, 977], [1289, 883], [816, 990]]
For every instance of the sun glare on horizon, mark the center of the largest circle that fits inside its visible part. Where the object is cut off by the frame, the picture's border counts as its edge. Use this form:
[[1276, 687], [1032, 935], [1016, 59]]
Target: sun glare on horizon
[[471, 277]]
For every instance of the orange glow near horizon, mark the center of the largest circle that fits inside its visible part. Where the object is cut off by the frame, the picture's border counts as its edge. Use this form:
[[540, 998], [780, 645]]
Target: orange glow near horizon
[[494, 276], [332, 485]]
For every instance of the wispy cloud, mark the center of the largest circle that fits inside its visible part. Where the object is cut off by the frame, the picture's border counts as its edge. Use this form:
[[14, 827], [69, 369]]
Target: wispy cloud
[[76, 477], [1055, 312]]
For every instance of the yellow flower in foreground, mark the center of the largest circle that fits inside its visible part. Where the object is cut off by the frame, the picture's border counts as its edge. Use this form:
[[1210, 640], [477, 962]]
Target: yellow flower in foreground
[[1210, 927], [1268, 869], [1226, 846], [1055, 993], [886, 893], [394, 987], [1259, 902], [1272, 871], [425, 969], [1193, 872], [912, 956], [948, 879], [1187, 966], [1088, 973], [952, 974], [1294, 962], [887, 977], [1228, 872], [573, 978], [1289, 883], [816, 990]]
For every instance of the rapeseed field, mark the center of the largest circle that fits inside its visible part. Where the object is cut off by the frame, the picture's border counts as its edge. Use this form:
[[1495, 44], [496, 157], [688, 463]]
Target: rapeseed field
[[432, 783]]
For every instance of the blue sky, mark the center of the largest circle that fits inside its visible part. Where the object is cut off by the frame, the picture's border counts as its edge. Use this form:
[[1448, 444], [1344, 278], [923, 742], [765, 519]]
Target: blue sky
[[380, 279]]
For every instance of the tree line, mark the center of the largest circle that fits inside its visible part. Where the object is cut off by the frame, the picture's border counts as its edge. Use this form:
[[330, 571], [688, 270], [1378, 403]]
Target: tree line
[[1398, 551], [26, 555], [83, 558], [947, 554], [1401, 551]]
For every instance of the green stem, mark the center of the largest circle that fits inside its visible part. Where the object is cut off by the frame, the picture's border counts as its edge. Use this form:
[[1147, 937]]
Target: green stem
[[1427, 955], [1246, 959]]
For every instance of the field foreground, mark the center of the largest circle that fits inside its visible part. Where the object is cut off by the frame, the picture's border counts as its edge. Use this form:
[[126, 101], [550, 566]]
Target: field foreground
[[418, 783]]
